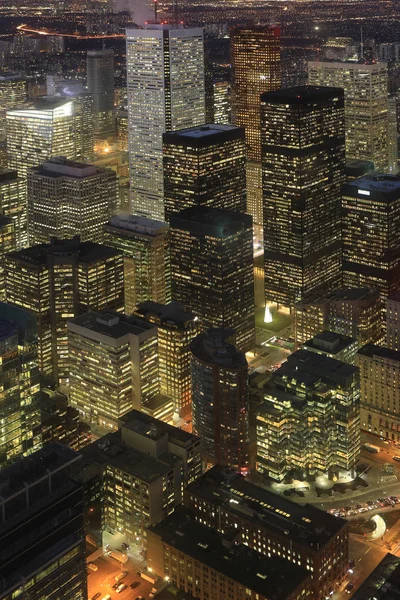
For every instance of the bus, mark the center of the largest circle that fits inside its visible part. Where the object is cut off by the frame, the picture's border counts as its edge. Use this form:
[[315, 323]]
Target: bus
[[371, 448]]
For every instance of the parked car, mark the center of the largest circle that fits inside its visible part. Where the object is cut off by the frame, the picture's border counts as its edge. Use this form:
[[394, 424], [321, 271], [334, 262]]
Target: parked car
[[92, 566], [121, 576], [121, 588], [134, 584], [96, 596], [349, 587]]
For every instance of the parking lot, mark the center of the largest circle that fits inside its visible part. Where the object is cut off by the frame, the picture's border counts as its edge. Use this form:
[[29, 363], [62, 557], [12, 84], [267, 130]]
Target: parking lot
[[102, 581]]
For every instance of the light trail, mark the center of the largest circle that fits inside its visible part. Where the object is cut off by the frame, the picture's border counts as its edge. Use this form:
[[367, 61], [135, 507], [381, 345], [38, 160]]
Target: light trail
[[24, 28]]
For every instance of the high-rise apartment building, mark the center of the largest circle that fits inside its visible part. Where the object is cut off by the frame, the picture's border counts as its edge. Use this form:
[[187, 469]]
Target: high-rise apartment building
[[212, 269], [256, 68], [310, 420], [58, 281], [42, 535], [371, 233], [176, 329], [204, 165], [49, 126], [220, 400], [13, 203], [380, 391], [7, 244], [355, 312], [366, 105], [303, 161], [12, 94], [113, 366], [273, 525], [144, 468], [165, 77], [67, 198], [20, 431], [100, 83], [145, 245]]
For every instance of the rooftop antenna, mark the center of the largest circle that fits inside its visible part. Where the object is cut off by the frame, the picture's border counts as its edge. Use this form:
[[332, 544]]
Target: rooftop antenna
[[155, 10], [361, 45]]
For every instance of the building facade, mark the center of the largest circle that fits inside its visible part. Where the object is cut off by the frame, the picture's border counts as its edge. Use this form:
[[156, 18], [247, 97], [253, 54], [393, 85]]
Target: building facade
[[393, 322], [145, 245], [303, 160], [67, 198], [165, 78], [12, 94], [13, 204], [58, 281], [366, 105], [176, 329], [100, 83], [335, 345], [212, 269], [310, 420], [7, 244], [113, 366], [204, 165]]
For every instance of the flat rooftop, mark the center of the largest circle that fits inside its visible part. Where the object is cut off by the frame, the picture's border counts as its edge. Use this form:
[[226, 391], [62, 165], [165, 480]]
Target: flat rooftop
[[154, 429], [216, 222], [62, 167], [42, 103], [329, 341], [134, 224], [274, 578], [378, 186], [204, 135], [372, 350], [340, 295], [212, 347], [311, 367], [306, 525], [165, 314], [112, 324], [303, 94]]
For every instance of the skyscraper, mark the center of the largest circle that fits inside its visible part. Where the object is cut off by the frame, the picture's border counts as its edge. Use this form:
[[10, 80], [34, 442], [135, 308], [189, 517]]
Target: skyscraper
[[7, 244], [205, 165], [212, 269], [12, 94], [58, 281], [220, 400], [366, 105], [176, 329], [371, 233], [48, 127], [100, 83], [165, 75], [20, 423], [303, 171], [42, 527], [256, 68], [67, 198], [113, 366], [145, 244], [13, 204]]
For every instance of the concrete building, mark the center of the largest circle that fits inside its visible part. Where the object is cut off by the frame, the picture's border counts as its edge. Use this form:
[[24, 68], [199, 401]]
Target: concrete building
[[12, 94], [13, 204], [220, 400], [176, 329], [393, 322], [100, 83], [144, 468], [43, 553], [67, 198], [145, 245], [210, 565], [380, 391], [113, 366], [7, 244], [335, 345], [273, 525]]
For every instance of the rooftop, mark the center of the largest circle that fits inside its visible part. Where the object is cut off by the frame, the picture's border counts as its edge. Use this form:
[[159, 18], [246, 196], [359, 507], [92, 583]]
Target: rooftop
[[7, 175], [216, 222], [204, 135], [384, 581], [166, 314], [111, 324], [380, 186], [133, 224], [311, 368], [62, 167], [154, 429], [328, 341], [305, 524], [44, 103], [274, 578], [212, 347], [340, 295], [372, 350], [303, 94]]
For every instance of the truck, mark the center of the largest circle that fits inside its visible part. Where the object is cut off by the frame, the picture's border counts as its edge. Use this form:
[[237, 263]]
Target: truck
[[117, 555], [371, 448], [147, 576]]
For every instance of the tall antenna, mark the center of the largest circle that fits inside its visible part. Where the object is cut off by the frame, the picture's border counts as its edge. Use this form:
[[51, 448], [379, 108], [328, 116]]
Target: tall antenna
[[361, 45], [155, 10]]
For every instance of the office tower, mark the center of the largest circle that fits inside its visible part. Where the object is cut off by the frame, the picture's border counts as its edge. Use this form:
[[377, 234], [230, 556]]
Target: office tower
[[113, 363], [384, 580], [145, 245], [165, 77], [176, 329], [143, 468], [301, 533], [355, 312], [13, 204], [60, 422], [204, 165], [310, 420], [67, 198], [303, 161], [355, 169], [84, 125], [7, 244], [118, 161], [335, 345], [256, 68], [121, 120], [371, 233], [380, 391], [393, 322], [393, 129], [48, 127], [100, 83], [366, 108], [12, 94], [42, 527], [58, 281], [212, 269], [220, 400], [20, 433], [194, 557]]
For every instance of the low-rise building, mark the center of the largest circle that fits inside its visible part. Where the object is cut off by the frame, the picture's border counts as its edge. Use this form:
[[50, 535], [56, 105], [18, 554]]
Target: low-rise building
[[335, 345]]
